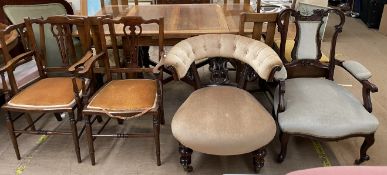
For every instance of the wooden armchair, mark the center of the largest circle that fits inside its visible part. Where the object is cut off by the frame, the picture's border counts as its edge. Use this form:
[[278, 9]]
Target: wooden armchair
[[48, 94], [125, 98], [311, 104], [222, 120]]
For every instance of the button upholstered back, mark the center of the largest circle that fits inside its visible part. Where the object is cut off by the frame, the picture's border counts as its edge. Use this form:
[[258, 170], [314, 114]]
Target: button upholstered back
[[262, 58]]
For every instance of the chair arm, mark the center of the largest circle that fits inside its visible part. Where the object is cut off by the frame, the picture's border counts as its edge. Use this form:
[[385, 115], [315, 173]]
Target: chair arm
[[356, 69], [86, 63], [282, 74], [13, 63]]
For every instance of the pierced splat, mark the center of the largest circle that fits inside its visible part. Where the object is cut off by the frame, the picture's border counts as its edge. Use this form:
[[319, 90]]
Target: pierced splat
[[63, 36], [130, 44]]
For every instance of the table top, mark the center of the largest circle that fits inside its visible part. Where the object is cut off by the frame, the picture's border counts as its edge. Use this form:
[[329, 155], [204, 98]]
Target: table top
[[184, 19]]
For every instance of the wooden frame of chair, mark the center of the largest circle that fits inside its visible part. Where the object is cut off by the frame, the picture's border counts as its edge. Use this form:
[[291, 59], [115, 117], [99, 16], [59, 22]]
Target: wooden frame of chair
[[314, 68], [133, 29], [62, 26]]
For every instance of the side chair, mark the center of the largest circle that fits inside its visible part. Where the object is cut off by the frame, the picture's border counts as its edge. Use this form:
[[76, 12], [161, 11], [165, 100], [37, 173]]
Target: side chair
[[125, 97], [48, 94], [310, 103]]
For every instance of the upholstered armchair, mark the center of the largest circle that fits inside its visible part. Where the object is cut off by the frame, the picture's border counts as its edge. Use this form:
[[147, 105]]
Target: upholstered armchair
[[222, 120], [310, 103], [47, 94], [123, 96]]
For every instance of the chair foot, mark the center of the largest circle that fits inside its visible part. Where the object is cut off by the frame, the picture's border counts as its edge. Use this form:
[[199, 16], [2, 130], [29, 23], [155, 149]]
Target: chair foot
[[185, 158], [156, 134], [284, 139], [11, 132], [368, 142], [259, 159]]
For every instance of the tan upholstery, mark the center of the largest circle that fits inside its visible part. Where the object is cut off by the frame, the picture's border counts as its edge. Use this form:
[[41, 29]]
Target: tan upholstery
[[258, 55], [130, 94], [48, 92], [223, 120]]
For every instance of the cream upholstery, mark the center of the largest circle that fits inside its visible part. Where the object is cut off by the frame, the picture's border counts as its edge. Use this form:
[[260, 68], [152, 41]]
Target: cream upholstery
[[223, 120], [357, 70], [154, 54], [321, 108], [258, 55], [129, 94], [307, 46], [47, 93]]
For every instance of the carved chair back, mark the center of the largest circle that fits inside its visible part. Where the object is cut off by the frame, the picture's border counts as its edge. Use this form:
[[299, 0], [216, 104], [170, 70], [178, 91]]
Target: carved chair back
[[132, 33], [61, 29], [306, 53], [256, 55], [260, 20]]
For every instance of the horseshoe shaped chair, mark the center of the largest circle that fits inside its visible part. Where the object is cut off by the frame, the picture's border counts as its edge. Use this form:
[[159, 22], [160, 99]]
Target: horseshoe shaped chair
[[223, 120], [310, 84]]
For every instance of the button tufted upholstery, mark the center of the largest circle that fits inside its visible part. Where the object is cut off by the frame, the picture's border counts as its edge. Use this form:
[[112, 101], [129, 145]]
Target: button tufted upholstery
[[258, 55]]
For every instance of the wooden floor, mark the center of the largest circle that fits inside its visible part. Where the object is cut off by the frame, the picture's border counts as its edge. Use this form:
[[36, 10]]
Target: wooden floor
[[55, 155]]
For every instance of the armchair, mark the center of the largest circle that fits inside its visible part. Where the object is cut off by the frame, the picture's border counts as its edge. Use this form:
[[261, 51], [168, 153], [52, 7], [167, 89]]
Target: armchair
[[310, 83], [125, 97], [47, 94], [236, 124]]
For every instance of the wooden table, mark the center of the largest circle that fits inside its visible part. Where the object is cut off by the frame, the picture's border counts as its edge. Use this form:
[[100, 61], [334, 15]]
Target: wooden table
[[183, 20]]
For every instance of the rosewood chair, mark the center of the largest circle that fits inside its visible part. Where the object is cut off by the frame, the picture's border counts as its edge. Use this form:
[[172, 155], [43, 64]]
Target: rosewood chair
[[222, 120], [48, 94], [125, 97], [311, 104]]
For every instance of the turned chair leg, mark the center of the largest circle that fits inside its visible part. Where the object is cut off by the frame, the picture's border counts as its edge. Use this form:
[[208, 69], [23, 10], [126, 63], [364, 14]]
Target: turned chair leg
[[12, 134], [284, 139], [156, 132], [58, 117], [259, 159], [161, 113], [89, 135], [30, 121], [368, 142], [74, 131], [185, 157]]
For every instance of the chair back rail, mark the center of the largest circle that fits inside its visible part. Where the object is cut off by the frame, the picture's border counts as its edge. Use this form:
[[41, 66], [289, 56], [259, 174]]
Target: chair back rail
[[259, 19], [60, 27], [132, 33], [306, 53]]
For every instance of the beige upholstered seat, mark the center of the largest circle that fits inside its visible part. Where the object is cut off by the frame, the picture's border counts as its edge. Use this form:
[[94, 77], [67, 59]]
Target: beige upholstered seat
[[47, 93], [223, 120], [129, 94], [321, 108], [258, 55]]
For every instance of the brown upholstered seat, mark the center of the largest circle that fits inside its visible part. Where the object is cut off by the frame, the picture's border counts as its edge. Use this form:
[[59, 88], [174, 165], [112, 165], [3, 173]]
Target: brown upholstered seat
[[129, 94], [47, 93], [223, 120]]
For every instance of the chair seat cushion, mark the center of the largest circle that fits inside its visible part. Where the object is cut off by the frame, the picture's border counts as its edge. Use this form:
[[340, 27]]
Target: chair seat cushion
[[47, 93], [126, 95], [223, 120], [321, 108], [289, 47]]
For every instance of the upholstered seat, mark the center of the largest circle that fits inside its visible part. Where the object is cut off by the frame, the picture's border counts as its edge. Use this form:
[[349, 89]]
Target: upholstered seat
[[129, 94], [223, 120], [321, 108], [47, 93], [289, 47]]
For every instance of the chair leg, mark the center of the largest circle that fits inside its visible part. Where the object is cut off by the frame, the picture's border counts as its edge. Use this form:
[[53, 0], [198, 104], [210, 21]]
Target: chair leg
[[259, 159], [185, 157], [99, 119], [12, 134], [30, 121], [284, 138], [120, 121], [89, 134], [368, 142], [156, 132], [58, 117], [74, 131]]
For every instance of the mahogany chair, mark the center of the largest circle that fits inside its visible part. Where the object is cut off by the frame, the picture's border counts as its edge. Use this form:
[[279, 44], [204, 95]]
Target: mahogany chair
[[236, 124], [298, 105], [49, 93], [125, 97]]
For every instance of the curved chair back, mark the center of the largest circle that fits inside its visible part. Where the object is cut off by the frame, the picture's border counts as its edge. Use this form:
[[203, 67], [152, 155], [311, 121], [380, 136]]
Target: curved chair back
[[259, 56], [306, 53]]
